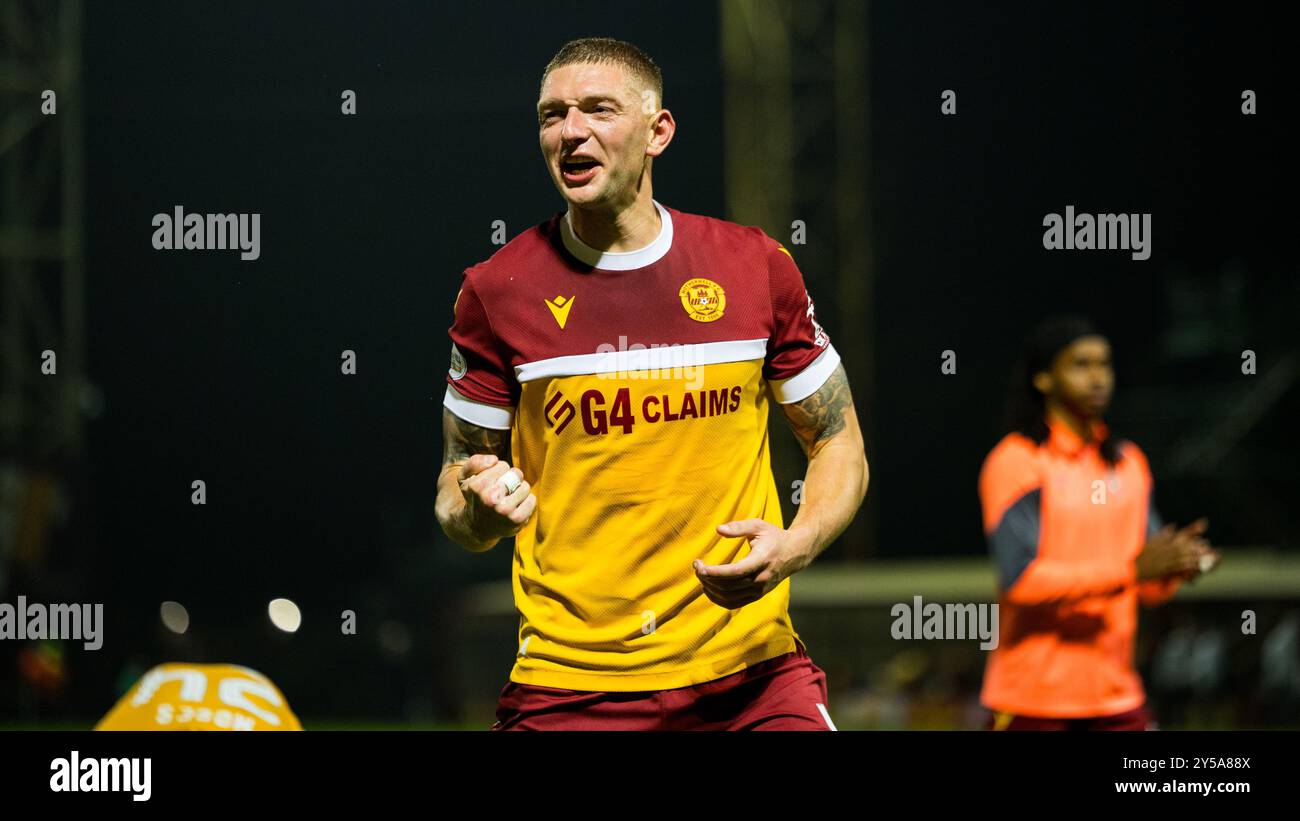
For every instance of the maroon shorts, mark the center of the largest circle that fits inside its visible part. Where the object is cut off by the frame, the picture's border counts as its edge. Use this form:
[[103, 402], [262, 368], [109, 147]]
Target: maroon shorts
[[1136, 719], [783, 693]]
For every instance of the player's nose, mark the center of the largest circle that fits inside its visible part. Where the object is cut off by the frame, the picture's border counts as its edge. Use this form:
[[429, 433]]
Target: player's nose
[[574, 129]]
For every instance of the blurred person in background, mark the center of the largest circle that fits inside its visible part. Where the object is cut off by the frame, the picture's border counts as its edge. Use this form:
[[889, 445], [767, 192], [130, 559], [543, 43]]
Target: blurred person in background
[[1072, 527]]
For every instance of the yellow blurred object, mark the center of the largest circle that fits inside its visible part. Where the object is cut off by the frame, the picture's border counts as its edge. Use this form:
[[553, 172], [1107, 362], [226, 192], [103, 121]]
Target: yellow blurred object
[[201, 697]]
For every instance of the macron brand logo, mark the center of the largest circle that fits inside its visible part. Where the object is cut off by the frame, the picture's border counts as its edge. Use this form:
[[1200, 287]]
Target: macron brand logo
[[77, 774], [1100, 232], [560, 309], [208, 232]]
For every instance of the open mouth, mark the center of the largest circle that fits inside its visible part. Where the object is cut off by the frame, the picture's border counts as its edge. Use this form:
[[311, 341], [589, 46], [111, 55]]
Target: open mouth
[[578, 170]]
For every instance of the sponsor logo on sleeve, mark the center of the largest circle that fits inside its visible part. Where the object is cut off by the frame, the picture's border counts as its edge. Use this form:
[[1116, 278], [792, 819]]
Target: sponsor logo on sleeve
[[458, 367]]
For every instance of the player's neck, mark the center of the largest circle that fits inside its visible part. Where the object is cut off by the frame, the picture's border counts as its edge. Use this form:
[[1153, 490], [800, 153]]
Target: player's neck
[[1081, 425], [627, 229]]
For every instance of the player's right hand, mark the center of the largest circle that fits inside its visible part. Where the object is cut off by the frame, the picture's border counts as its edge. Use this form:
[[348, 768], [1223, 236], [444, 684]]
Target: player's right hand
[[491, 512]]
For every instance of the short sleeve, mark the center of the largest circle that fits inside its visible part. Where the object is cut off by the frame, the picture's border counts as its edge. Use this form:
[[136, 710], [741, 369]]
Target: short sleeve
[[481, 387], [800, 357]]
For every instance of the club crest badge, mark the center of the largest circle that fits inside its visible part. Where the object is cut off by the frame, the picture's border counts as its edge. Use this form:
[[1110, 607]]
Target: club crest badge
[[703, 299]]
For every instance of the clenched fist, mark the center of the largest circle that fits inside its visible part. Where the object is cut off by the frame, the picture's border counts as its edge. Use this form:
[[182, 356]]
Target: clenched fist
[[491, 512]]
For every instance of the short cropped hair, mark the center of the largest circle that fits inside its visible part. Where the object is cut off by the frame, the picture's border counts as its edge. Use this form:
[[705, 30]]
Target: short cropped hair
[[609, 51]]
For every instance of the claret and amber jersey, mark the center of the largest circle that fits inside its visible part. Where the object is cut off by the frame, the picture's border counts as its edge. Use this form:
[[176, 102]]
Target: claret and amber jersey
[[636, 388]]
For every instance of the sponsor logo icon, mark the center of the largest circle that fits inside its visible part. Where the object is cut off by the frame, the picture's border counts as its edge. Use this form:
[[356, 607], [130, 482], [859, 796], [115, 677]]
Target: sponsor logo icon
[[559, 412], [458, 367]]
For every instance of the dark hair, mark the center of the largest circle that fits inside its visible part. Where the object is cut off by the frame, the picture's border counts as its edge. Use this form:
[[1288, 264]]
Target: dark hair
[[610, 51], [1026, 405]]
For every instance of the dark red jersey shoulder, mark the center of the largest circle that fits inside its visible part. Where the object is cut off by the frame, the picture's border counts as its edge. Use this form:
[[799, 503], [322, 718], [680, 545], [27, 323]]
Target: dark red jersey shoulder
[[538, 245], [711, 231]]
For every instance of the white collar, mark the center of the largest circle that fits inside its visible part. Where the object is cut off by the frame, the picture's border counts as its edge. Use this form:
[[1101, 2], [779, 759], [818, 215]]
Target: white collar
[[618, 260]]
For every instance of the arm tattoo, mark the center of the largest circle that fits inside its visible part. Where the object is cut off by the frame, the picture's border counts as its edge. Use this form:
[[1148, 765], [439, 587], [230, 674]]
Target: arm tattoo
[[821, 416], [462, 439]]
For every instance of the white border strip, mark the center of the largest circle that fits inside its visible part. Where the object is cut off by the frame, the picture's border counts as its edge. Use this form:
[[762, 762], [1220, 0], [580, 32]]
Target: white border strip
[[826, 716], [664, 357], [618, 260], [482, 414], [805, 383]]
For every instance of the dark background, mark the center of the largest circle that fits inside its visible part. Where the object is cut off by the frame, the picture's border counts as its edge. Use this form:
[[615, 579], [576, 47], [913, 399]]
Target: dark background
[[320, 486]]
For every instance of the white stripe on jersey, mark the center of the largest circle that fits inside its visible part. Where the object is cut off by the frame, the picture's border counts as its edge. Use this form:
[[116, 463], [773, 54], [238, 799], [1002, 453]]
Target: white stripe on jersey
[[496, 417], [668, 358], [663, 358], [826, 715], [805, 383]]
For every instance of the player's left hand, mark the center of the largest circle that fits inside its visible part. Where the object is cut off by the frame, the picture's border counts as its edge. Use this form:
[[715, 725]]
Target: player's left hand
[[774, 555]]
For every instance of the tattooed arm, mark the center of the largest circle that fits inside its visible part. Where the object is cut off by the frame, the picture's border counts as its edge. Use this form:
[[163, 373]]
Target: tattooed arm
[[835, 483], [472, 507]]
